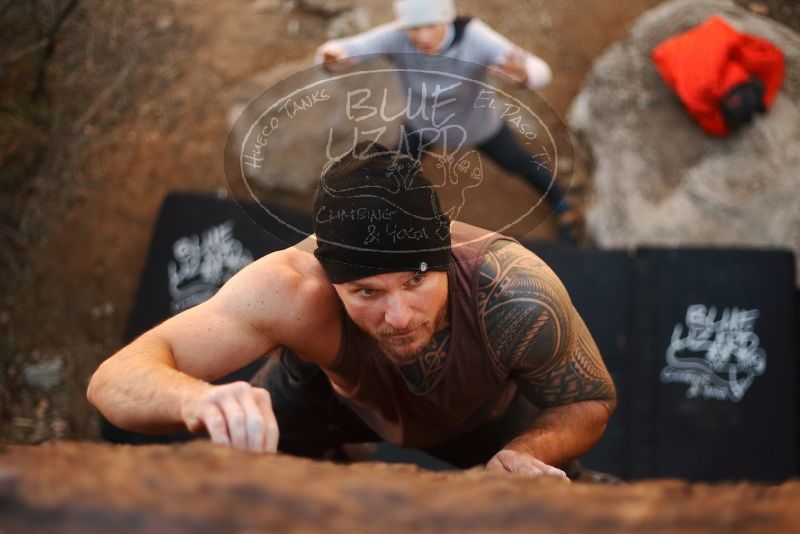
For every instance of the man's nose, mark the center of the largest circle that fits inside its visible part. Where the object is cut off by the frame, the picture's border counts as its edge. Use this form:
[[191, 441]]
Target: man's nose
[[398, 312], [427, 36]]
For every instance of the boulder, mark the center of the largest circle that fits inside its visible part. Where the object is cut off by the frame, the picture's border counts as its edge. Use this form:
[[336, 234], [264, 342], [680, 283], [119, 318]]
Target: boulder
[[199, 487], [658, 179], [326, 8], [295, 154]]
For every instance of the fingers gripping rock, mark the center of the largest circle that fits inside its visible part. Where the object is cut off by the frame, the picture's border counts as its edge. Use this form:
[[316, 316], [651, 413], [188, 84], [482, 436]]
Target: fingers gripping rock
[[237, 414]]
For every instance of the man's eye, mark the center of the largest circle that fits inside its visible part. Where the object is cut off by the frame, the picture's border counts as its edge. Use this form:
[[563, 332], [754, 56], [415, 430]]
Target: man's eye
[[366, 292], [417, 280]]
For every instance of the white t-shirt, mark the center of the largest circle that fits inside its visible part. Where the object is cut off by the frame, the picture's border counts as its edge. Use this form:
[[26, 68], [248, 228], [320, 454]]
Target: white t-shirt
[[467, 119]]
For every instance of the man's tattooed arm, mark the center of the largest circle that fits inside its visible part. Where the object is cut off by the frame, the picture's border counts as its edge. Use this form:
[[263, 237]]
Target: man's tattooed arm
[[533, 331]]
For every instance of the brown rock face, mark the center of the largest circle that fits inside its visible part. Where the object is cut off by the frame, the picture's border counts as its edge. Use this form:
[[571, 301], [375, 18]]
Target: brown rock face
[[86, 487]]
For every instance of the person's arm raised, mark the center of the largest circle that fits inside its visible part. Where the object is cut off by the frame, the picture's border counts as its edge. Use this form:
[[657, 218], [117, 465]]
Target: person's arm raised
[[340, 55], [501, 55], [535, 333], [159, 382]]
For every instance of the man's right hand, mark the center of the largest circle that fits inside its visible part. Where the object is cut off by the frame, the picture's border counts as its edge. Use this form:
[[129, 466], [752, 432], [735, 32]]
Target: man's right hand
[[519, 462], [331, 55], [238, 415]]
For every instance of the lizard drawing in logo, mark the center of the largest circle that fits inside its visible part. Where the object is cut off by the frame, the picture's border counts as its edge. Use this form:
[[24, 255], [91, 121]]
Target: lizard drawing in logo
[[460, 171]]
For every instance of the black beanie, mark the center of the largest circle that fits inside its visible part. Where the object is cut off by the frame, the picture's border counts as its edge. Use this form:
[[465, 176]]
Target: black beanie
[[375, 213]]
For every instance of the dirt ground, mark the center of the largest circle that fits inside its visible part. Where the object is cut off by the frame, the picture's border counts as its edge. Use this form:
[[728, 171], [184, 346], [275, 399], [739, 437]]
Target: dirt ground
[[134, 107]]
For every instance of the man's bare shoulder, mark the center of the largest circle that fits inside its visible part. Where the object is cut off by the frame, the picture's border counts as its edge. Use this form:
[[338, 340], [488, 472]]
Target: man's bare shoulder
[[533, 330], [293, 276], [285, 297], [313, 287], [524, 305], [505, 255]]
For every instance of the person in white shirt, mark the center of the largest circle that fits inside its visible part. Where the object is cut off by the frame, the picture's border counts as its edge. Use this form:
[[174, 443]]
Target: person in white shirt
[[426, 37]]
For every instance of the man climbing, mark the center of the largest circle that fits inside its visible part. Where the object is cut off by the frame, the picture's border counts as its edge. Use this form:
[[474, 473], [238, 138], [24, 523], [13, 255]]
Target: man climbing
[[390, 323]]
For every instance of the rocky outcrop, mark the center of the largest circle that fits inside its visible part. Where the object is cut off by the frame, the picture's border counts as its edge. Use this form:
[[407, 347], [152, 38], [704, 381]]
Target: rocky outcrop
[[308, 104], [86, 487], [289, 166], [658, 179]]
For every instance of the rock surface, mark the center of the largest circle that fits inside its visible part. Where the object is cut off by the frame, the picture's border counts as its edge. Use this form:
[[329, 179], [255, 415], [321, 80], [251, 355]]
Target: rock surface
[[658, 178], [86, 487], [297, 170]]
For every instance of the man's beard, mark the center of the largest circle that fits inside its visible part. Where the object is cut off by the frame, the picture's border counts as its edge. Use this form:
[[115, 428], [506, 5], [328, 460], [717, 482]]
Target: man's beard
[[403, 349]]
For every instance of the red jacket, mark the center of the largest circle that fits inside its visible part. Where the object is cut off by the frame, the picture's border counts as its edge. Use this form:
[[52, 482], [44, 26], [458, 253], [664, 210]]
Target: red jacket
[[705, 63]]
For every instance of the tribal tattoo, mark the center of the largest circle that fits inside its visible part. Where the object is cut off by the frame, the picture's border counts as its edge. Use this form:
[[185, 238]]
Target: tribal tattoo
[[423, 372], [535, 333]]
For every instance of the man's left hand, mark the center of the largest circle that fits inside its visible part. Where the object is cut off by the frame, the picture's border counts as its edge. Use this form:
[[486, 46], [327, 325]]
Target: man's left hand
[[519, 462], [514, 66]]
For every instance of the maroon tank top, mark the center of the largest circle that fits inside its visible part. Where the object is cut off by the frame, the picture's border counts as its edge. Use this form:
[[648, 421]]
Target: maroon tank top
[[469, 391]]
